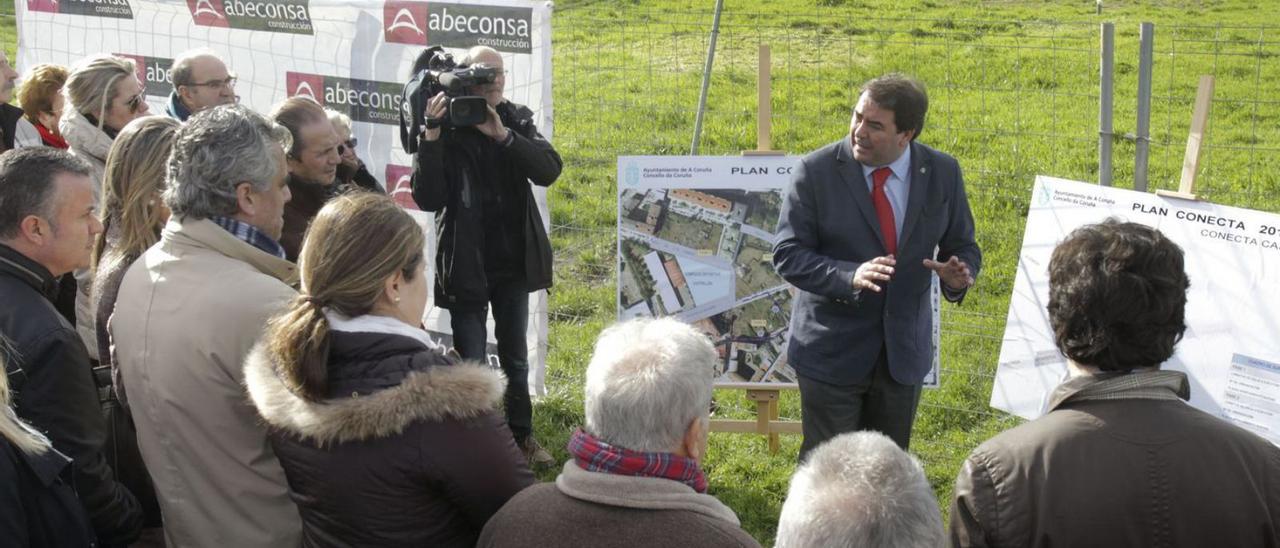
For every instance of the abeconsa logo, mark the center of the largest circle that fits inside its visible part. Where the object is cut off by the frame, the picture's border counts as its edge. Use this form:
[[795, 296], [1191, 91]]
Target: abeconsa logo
[[399, 185], [405, 22], [153, 72], [118, 9], [363, 100], [457, 25], [290, 16]]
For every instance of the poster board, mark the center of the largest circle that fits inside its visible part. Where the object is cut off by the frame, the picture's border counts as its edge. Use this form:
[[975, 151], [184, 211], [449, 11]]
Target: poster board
[[1230, 351], [695, 241], [351, 56]]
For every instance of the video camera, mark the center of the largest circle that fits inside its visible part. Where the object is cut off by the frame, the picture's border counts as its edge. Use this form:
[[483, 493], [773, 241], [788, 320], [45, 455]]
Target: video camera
[[435, 71]]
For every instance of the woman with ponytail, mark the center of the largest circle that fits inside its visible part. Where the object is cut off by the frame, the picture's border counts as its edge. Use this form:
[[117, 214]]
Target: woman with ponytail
[[38, 506], [385, 440]]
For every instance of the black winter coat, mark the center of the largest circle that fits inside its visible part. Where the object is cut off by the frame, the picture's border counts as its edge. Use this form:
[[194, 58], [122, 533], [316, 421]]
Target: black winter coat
[[453, 174], [37, 504], [409, 450], [54, 391], [9, 116]]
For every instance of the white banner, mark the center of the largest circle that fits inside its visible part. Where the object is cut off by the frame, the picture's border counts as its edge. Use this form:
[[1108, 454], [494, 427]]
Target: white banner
[[351, 56], [695, 241], [1230, 350]]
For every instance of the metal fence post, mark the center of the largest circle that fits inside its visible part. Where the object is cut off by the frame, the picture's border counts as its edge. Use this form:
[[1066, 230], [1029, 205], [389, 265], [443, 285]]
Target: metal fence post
[[706, 78], [1105, 97], [1143, 140]]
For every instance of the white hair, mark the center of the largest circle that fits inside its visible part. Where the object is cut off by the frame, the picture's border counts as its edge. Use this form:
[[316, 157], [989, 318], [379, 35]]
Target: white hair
[[647, 381], [339, 120], [860, 490]]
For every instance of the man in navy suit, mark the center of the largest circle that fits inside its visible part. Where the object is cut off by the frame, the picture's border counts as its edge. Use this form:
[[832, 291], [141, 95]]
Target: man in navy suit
[[865, 222]]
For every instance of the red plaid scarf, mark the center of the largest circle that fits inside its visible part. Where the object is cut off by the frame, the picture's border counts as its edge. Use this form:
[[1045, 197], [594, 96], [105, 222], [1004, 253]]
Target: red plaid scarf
[[594, 455]]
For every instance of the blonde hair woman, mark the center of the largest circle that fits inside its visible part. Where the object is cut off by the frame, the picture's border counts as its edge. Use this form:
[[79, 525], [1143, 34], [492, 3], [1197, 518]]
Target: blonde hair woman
[[104, 95], [131, 211], [384, 439], [132, 214], [40, 506]]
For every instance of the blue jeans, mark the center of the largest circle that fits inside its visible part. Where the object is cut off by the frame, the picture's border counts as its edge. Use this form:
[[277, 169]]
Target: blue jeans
[[510, 302]]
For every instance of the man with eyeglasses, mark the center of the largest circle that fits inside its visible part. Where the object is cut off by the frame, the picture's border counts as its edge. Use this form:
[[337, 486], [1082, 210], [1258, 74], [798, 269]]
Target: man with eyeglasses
[[200, 81]]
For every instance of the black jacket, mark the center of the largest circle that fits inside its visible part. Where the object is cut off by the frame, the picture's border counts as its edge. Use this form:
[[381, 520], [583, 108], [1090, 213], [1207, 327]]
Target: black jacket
[[9, 116], [54, 391], [409, 449], [37, 504], [483, 189]]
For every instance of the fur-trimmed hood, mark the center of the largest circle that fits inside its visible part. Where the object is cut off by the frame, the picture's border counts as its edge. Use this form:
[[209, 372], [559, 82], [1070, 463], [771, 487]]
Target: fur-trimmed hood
[[434, 393]]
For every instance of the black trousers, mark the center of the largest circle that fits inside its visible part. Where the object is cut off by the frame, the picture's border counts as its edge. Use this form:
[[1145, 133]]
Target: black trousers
[[875, 403], [510, 303]]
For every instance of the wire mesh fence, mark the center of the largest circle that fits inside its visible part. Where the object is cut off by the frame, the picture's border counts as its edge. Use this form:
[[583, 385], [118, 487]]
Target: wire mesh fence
[[1239, 162], [1009, 99]]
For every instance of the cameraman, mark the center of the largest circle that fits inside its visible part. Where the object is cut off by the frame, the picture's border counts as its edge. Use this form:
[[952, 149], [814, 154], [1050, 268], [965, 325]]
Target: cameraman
[[492, 248]]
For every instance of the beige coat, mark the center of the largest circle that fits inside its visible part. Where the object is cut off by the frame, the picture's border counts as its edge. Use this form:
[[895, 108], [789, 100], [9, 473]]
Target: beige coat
[[188, 312], [91, 145]]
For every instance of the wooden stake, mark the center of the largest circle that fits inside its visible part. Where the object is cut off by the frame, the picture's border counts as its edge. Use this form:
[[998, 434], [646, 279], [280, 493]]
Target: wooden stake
[[764, 120], [1195, 139]]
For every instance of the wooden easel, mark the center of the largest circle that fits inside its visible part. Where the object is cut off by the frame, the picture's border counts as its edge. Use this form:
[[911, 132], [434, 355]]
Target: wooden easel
[[1195, 138], [765, 397]]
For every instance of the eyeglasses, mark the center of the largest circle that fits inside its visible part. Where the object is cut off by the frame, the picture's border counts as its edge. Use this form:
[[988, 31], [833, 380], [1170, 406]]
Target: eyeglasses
[[135, 102], [229, 82], [344, 146]]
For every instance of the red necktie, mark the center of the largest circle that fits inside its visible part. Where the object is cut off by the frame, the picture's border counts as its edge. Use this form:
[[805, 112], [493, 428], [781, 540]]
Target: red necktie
[[883, 209]]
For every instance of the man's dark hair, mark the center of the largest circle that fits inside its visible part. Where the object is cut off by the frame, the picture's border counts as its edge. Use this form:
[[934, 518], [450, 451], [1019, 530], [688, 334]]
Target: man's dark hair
[[903, 95], [1117, 296], [26, 184]]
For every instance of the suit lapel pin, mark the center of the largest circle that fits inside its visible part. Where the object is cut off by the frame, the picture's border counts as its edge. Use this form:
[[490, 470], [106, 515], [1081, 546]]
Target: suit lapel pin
[[922, 170]]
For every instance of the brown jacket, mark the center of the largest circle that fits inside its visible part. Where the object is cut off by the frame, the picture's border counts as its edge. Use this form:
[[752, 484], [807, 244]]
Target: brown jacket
[[306, 200], [597, 509], [188, 312], [1120, 461], [409, 449]]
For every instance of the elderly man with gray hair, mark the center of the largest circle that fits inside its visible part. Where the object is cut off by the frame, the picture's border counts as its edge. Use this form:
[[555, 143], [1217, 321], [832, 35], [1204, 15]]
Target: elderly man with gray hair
[[634, 479], [188, 312], [860, 490], [200, 81]]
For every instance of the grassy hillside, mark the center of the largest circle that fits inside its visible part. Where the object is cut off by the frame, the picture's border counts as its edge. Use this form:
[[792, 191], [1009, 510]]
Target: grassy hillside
[[1014, 89]]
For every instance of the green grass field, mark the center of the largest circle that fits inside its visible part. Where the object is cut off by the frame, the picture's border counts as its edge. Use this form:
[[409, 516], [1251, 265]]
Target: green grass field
[[1013, 88]]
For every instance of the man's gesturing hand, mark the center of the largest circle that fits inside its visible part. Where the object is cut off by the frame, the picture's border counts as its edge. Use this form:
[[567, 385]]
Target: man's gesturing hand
[[954, 272], [878, 269]]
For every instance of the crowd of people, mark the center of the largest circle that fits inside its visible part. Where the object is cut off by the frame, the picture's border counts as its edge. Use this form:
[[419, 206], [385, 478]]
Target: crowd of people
[[212, 336]]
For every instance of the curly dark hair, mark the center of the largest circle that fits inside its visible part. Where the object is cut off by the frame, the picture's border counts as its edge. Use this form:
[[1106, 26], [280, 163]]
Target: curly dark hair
[[1117, 296]]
